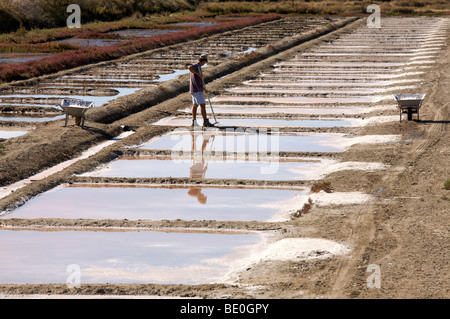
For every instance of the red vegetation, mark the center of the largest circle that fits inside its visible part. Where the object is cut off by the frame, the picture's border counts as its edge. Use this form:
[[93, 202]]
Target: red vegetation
[[305, 209]]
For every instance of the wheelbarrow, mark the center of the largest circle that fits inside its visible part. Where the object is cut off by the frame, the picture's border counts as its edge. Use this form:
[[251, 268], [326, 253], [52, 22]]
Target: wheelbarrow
[[76, 108], [409, 103]]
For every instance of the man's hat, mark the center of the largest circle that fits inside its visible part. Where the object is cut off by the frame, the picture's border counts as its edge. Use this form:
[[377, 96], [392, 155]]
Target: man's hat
[[203, 57]]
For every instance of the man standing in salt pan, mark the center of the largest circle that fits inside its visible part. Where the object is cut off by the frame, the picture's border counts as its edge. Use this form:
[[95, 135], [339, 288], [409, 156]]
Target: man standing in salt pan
[[198, 90]]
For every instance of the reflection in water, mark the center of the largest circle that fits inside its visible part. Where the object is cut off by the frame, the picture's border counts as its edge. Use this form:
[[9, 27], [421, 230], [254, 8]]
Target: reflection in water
[[197, 192], [199, 165], [157, 203], [262, 142]]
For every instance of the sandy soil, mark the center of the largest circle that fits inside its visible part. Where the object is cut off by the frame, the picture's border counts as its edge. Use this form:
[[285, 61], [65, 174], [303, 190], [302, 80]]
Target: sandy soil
[[403, 231]]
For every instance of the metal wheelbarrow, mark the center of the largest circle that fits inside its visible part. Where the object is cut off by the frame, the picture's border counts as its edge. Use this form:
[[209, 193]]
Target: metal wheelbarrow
[[409, 103], [76, 108]]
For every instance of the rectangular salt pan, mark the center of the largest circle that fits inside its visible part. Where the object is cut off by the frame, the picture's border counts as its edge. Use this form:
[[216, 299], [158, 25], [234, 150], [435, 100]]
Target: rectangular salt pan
[[299, 99], [202, 167], [32, 257], [259, 122], [183, 142], [98, 100], [30, 118], [135, 203], [11, 134]]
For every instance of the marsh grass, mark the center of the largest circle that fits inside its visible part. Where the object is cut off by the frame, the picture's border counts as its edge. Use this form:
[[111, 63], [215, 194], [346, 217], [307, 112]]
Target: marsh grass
[[327, 7], [52, 13]]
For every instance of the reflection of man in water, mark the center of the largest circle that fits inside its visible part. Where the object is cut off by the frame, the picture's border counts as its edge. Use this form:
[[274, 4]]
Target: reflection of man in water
[[197, 192], [199, 166]]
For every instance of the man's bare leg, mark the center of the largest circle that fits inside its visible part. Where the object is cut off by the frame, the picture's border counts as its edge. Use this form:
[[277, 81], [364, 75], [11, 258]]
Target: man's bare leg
[[194, 111], [203, 110]]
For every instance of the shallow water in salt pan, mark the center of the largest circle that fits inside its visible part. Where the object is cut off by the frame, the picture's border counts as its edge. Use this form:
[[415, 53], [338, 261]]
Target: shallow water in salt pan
[[202, 167], [10, 58], [32, 257], [299, 100], [259, 122], [98, 100], [251, 141], [89, 42], [30, 118], [12, 134], [171, 76], [152, 203], [142, 32], [281, 109]]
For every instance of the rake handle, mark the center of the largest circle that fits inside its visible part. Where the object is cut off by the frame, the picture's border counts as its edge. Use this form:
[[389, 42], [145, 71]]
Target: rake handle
[[212, 110]]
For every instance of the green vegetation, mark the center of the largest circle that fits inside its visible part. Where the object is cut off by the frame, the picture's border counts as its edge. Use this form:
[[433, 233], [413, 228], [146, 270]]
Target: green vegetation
[[52, 13], [447, 184], [36, 48], [327, 7]]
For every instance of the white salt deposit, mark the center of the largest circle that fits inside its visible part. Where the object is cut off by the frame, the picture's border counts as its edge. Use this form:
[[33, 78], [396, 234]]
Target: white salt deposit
[[333, 166], [289, 207], [286, 249]]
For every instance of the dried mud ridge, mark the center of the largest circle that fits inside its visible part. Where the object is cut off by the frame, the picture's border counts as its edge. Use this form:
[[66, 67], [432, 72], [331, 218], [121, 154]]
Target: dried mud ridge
[[401, 230]]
